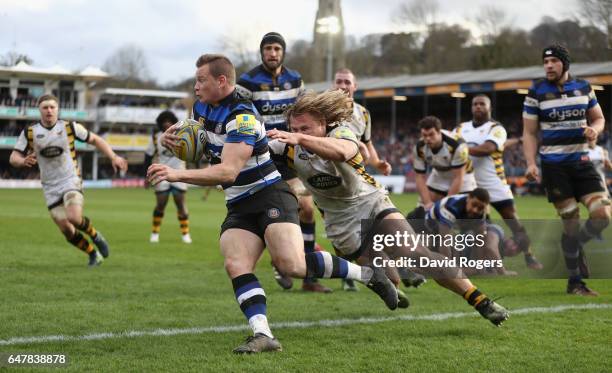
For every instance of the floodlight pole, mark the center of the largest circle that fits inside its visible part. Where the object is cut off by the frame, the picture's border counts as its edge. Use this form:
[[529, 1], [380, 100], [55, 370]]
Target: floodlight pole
[[330, 26], [329, 57]]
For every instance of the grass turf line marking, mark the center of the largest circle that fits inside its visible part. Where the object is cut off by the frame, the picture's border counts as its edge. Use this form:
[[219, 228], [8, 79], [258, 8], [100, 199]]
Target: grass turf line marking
[[289, 325]]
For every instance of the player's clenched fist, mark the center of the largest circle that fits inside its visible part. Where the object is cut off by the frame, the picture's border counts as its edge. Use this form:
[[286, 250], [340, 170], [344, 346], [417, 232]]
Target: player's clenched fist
[[532, 173]]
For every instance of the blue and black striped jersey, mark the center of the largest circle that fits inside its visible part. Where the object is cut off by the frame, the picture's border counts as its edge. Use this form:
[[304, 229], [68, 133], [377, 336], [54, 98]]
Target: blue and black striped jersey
[[272, 96], [451, 211], [562, 115], [235, 120]]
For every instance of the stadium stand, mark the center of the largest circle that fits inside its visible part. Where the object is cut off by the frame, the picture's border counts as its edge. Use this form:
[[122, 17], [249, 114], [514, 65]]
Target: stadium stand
[[397, 103], [125, 117]]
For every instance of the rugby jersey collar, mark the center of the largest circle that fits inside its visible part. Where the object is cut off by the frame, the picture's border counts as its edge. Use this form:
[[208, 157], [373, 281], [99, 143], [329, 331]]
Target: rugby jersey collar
[[263, 68], [49, 128], [227, 99], [570, 80], [478, 125]]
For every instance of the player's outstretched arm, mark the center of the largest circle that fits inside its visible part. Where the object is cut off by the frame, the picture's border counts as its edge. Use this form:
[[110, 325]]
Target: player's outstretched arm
[[381, 165], [332, 149], [233, 159], [455, 186], [18, 160], [421, 186], [117, 161]]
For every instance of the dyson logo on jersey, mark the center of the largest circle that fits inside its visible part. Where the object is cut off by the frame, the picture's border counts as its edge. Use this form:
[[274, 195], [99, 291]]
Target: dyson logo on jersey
[[324, 181], [51, 151], [568, 113], [273, 108]]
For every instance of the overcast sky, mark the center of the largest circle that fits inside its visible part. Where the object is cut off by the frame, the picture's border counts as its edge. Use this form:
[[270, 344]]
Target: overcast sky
[[77, 33]]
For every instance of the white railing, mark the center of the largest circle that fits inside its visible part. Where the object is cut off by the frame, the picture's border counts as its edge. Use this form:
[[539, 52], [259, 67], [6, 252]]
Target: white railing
[[129, 114], [14, 112]]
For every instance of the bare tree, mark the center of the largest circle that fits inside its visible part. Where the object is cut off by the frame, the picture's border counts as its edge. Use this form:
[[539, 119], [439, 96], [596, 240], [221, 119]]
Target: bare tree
[[128, 63], [299, 58], [491, 21], [240, 51], [599, 14], [419, 13], [12, 58], [442, 42]]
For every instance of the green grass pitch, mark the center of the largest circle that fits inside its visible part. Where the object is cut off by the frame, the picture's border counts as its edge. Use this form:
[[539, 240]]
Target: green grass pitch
[[47, 290]]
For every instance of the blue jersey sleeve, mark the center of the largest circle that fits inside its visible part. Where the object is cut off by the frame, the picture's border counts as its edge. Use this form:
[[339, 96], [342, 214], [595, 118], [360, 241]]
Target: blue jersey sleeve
[[243, 128]]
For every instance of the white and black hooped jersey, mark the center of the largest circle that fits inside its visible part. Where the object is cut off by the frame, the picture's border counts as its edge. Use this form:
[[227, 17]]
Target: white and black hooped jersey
[[54, 148], [453, 154], [487, 169]]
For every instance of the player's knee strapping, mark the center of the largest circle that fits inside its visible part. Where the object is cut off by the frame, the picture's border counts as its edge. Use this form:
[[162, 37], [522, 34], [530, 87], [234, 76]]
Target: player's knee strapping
[[157, 220], [569, 212], [322, 264], [571, 251], [184, 223], [87, 227], [81, 242], [598, 202]]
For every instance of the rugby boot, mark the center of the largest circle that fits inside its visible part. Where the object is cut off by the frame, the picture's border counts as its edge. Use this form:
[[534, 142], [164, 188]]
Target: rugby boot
[[258, 343], [381, 285], [101, 244], [492, 311]]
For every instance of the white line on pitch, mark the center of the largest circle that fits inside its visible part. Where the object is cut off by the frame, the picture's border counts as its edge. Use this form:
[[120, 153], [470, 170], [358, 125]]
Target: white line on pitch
[[287, 325]]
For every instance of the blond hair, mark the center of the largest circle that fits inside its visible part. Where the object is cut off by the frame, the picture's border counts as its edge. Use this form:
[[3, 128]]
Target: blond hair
[[332, 106]]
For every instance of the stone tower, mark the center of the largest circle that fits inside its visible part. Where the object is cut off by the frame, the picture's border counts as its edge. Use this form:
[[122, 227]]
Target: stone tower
[[322, 45]]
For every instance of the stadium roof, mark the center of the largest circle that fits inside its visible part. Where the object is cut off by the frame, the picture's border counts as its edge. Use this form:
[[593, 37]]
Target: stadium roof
[[25, 68], [467, 81], [143, 93], [93, 71]]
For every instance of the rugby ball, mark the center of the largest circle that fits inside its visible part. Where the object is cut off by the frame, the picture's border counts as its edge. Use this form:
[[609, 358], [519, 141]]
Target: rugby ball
[[191, 142]]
